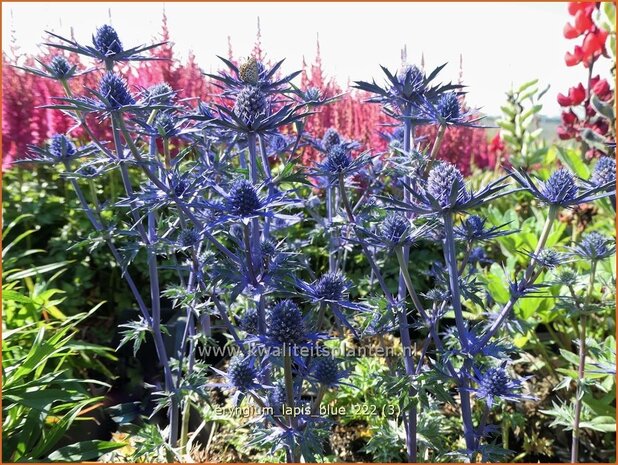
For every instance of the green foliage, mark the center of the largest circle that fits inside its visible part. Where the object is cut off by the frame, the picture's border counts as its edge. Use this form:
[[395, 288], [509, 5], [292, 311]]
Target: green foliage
[[45, 392], [519, 124]]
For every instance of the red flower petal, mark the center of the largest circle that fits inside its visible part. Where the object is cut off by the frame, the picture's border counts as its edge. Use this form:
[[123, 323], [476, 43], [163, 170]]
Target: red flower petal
[[577, 94], [601, 87], [569, 118], [563, 100], [570, 32], [583, 21]]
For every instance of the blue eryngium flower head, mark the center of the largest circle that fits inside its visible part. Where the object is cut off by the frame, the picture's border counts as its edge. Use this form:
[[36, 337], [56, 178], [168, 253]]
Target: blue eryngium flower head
[[115, 90], [330, 139], [188, 237], [448, 106], [331, 287], [411, 83], [446, 185], [338, 159], [166, 125], [338, 162], [395, 229], [278, 395], [604, 172], [57, 68], [61, 147], [478, 256], [495, 383], [312, 94], [594, 247], [326, 371], [106, 47], [549, 258], [561, 189], [242, 199], [277, 144], [161, 92], [285, 324], [106, 41], [250, 104], [241, 373], [249, 320], [474, 229], [61, 68]]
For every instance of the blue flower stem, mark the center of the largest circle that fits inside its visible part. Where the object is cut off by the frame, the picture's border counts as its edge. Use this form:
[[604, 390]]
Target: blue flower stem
[[150, 238], [268, 181], [315, 408], [332, 256], [581, 367], [374, 267], [289, 393], [480, 431], [250, 268], [428, 321], [99, 227], [254, 176], [450, 258], [466, 407]]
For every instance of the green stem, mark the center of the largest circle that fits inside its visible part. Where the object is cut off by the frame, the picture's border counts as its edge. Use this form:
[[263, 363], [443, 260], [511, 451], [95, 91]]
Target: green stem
[[436, 148], [184, 431], [581, 368]]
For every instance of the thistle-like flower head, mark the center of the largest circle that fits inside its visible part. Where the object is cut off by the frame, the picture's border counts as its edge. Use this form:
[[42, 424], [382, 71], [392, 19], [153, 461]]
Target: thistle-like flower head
[[249, 321], [243, 199], [277, 143], [249, 71], [604, 171], [560, 187], [495, 383], [60, 67], [566, 277], [285, 324], [161, 92], [115, 90], [395, 229], [330, 139], [61, 147], [326, 371], [166, 125], [312, 94], [338, 159], [106, 41], [412, 81], [594, 246], [549, 258], [448, 107], [331, 286], [250, 104], [446, 185], [241, 373], [188, 237], [478, 256]]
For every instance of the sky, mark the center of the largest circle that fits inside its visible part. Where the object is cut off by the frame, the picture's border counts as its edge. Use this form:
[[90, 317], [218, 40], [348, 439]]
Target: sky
[[502, 44]]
